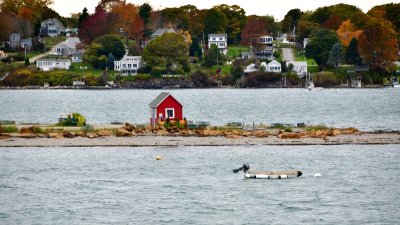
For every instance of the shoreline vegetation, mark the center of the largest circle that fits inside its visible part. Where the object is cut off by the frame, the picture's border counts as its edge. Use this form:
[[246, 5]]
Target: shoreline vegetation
[[136, 136]]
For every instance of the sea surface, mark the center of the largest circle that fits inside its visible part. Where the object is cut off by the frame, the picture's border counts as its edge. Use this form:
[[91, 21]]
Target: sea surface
[[366, 109], [359, 184]]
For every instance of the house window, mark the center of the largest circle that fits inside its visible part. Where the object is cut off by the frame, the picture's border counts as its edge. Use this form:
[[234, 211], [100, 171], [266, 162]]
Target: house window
[[213, 39], [170, 113]]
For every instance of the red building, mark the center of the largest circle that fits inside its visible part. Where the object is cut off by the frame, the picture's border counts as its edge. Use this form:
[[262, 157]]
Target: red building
[[165, 106]]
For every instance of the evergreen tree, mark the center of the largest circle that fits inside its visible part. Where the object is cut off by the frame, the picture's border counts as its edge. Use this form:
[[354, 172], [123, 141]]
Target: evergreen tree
[[110, 61], [336, 55], [352, 55], [83, 16], [195, 48]]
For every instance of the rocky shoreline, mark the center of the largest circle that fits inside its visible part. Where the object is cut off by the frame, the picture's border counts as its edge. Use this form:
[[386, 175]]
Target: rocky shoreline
[[129, 135]]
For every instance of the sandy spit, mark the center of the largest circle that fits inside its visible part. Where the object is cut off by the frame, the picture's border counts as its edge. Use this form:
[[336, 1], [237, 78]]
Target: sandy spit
[[152, 140]]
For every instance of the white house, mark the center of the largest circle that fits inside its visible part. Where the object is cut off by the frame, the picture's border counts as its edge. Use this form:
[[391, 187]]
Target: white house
[[273, 66], [47, 64], [67, 47], [265, 52], [220, 40], [300, 67], [266, 40], [128, 65], [247, 55], [251, 68], [51, 27]]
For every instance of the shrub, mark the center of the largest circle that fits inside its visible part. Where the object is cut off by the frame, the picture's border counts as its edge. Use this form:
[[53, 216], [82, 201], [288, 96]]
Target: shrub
[[142, 76], [87, 128], [8, 129], [316, 127], [326, 79]]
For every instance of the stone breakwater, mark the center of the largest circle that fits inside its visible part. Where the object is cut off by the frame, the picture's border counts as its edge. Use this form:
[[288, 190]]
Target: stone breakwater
[[129, 135]]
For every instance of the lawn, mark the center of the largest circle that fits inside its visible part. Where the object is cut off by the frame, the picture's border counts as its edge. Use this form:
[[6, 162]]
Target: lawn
[[299, 56], [84, 69], [235, 50], [225, 69], [49, 42]]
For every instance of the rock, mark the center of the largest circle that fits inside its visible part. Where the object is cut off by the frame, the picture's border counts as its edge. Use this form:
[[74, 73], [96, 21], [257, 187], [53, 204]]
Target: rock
[[211, 133], [92, 135], [233, 136], [25, 130], [67, 134], [336, 132], [349, 130], [104, 133], [261, 133], [4, 136], [162, 133], [55, 135], [123, 133], [289, 135], [129, 127], [80, 134], [27, 135]]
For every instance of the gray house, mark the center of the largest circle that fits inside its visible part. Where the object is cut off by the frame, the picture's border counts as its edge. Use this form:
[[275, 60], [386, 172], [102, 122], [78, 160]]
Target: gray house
[[51, 27], [14, 39]]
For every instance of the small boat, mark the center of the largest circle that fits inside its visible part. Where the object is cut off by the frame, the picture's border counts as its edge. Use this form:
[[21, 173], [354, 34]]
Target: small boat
[[267, 174]]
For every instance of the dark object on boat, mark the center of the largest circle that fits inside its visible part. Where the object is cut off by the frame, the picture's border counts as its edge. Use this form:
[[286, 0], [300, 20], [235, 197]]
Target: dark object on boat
[[267, 174]]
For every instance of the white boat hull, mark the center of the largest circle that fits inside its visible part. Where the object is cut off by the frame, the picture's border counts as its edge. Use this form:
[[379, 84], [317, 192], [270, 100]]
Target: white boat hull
[[273, 175]]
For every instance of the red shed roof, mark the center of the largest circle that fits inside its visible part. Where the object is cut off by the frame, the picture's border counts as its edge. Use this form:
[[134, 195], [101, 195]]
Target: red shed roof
[[160, 98]]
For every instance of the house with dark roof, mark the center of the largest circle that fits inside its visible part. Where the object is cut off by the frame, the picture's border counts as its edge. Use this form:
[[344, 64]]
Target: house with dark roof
[[164, 107]]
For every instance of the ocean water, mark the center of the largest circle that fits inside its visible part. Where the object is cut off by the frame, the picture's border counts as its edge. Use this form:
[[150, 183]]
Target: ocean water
[[195, 185], [366, 109]]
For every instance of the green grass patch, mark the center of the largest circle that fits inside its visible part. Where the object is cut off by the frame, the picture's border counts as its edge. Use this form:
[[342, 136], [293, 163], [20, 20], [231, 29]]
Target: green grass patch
[[235, 50], [49, 42], [316, 127], [84, 69], [225, 69], [8, 129]]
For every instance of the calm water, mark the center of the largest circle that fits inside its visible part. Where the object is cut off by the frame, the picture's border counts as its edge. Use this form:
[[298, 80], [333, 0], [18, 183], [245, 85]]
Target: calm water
[[367, 109], [195, 185]]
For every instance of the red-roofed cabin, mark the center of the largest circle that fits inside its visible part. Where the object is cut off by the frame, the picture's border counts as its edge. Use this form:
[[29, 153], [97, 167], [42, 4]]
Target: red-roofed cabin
[[165, 106]]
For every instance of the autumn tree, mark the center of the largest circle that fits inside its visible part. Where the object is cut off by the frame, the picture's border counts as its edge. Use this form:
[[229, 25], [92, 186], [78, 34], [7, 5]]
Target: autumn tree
[[378, 48], [347, 32], [128, 20], [253, 30], [175, 17], [167, 50], [94, 26]]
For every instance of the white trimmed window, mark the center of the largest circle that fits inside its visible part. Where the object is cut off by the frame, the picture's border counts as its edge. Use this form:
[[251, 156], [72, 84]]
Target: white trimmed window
[[170, 113]]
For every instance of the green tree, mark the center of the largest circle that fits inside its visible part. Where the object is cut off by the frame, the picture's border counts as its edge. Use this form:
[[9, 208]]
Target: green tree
[[145, 12], [110, 43], [291, 20], [215, 22], [320, 45], [352, 55], [195, 48], [236, 19], [110, 61], [237, 70], [83, 16], [336, 56], [210, 58], [167, 50]]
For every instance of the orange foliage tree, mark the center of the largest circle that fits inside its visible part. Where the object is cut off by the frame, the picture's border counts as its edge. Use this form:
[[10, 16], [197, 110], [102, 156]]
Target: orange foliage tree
[[128, 19], [378, 47], [346, 32]]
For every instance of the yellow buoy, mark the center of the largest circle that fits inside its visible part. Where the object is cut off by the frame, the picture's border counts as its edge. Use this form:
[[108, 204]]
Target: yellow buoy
[[158, 157]]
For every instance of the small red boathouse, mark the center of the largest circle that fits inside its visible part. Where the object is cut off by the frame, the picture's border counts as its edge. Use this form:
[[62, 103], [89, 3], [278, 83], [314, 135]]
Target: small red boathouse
[[165, 106]]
